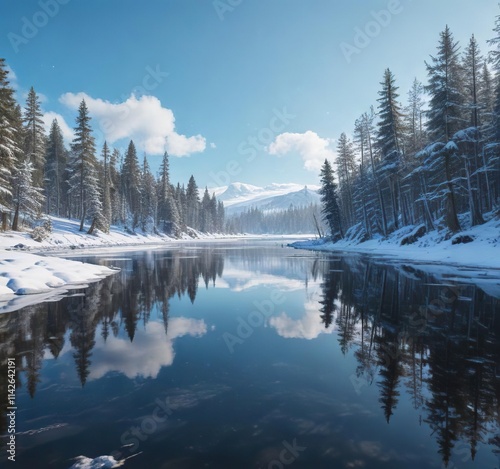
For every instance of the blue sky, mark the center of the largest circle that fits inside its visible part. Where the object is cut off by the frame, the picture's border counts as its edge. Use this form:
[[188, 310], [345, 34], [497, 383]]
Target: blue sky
[[255, 91]]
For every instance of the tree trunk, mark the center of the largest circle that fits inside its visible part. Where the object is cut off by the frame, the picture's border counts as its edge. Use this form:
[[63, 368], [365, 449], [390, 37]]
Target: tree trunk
[[451, 217], [15, 221], [92, 227]]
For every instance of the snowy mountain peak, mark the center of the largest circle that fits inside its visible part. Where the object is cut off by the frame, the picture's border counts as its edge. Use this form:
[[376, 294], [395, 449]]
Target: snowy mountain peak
[[237, 190]]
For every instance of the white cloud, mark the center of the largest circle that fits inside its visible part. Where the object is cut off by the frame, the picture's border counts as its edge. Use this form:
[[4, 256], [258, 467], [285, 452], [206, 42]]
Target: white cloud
[[66, 130], [213, 145], [143, 120], [241, 280], [309, 326], [148, 353], [312, 148]]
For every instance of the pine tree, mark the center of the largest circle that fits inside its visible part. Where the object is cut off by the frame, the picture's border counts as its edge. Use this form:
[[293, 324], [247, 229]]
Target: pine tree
[[493, 160], [55, 170], [35, 140], [131, 182], [172, 217], [83, 181], [381, 214], [445, 117], [221, 215], [206, 213], [9, 141], [328, 192], [389, 140], [472, 65], [106, 188], [164, 191], [181, 201], [346, 168], [149, 201], [414, 117], [116, 195], [94, 203], [27, 198], [192, 204]]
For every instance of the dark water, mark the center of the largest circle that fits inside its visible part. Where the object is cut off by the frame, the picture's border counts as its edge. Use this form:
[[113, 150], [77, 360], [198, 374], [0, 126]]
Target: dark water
[[257, 356]]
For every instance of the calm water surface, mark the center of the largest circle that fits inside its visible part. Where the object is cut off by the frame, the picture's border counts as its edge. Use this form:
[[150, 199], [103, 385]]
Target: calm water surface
[[251, 355]]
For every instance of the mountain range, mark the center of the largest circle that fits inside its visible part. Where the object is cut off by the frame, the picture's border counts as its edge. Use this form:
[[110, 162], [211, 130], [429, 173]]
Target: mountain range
[[238, 196]]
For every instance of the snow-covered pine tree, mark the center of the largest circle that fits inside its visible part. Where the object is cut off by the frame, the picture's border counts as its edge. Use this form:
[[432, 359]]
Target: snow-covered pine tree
[[414, 117], [470, 149], [379, 215], [492, 150], [221, 217], [94, 211], [83, 180], [346, 169], [206, 213], [163, 191], [445, 118], [106, 188], [55, 171], [27, 197], [389, 141], [34, 137], [329, 200], [486, 97], [131, 183], [172, 217], [213, 213], [414, 184], [116, 195], [361, 187], [149, 200], [9, 142], [180, 198], [413, 141], [192, 204]]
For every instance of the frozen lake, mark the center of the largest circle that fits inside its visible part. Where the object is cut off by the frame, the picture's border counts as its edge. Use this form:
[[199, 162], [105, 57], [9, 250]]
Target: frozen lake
[[249, 354]]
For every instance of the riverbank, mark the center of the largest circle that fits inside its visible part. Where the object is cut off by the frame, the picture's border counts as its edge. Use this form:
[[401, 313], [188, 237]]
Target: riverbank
[[478, 246], [26, 277]]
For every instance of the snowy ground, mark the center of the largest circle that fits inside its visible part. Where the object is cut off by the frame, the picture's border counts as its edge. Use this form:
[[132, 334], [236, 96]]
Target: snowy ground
[[483, 251], [475, 263]]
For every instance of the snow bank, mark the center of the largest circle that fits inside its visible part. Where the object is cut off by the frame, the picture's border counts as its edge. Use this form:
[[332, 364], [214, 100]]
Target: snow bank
[[101, 462], [22, 273], [66, 234], [482, 251]]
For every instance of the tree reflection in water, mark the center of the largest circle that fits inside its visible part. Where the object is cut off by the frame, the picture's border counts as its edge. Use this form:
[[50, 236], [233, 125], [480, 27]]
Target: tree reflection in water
[[432, 338], [437, 343]]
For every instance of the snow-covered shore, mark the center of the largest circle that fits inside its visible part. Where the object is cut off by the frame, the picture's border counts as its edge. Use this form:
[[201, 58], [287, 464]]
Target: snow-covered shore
[[28, 278], [483, 250]]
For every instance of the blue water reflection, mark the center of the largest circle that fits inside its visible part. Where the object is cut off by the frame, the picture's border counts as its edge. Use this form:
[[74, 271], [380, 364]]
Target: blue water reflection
[[259, 356]]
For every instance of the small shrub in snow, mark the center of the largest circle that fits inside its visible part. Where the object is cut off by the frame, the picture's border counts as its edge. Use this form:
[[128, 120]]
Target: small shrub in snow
[[356, 234], [462, 239], [414, 236], [42, 231]]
